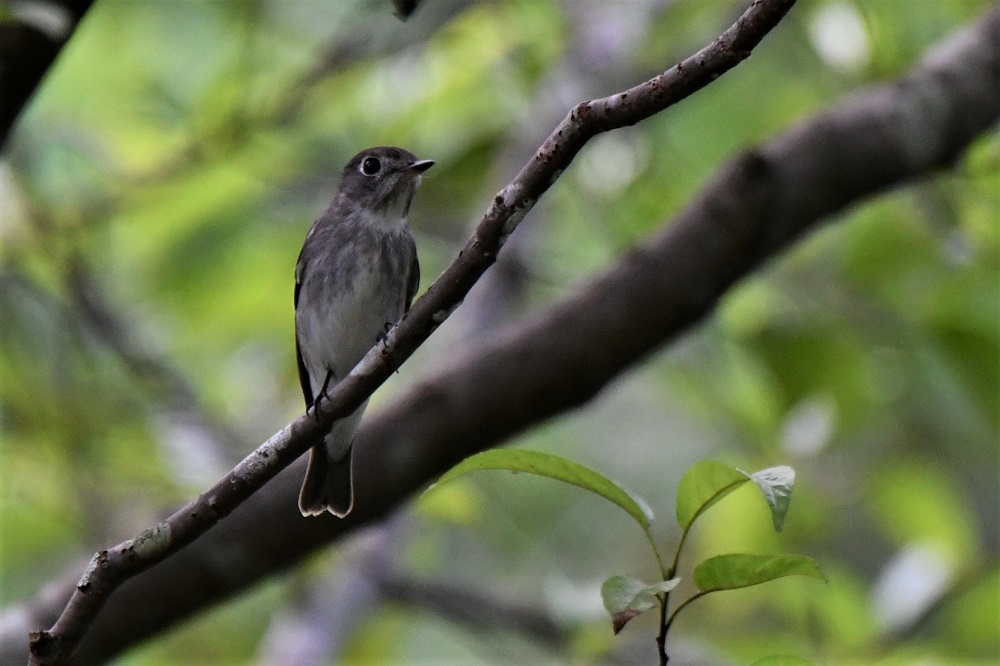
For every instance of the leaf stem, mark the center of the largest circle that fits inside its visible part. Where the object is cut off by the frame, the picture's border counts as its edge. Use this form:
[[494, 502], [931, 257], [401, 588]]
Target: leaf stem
[[672, 571], [677, 610], [661, 638], [664, 572]]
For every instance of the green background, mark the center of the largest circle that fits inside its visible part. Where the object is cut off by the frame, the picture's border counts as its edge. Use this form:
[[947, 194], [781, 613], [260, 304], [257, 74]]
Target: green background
[[155, 194]]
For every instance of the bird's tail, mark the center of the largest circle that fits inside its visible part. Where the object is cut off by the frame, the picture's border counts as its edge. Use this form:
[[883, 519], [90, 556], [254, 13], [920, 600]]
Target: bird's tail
[[327, 486]]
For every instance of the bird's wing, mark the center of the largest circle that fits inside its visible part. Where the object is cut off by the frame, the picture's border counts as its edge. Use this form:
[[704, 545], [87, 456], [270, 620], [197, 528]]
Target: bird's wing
[[414, 284], [303, 373]]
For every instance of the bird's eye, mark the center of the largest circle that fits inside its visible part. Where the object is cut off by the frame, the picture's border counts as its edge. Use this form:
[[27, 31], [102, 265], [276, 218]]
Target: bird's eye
[[371, 166]]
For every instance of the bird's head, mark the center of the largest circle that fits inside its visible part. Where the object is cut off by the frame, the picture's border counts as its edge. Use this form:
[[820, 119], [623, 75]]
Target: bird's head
[[382, 180]]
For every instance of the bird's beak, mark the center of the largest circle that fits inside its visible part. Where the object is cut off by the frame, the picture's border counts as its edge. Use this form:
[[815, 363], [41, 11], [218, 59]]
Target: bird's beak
[[421, 165]]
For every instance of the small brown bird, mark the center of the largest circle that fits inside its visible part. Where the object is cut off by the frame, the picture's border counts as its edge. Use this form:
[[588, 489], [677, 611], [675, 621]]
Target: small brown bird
[[356, 276]]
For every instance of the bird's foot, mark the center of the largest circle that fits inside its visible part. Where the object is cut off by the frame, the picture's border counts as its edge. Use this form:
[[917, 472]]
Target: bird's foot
[[321, 396], [386, 327]]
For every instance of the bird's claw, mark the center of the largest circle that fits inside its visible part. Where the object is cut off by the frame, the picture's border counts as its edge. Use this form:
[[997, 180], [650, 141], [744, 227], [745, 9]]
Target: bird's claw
[[320, 396], [386, 327]]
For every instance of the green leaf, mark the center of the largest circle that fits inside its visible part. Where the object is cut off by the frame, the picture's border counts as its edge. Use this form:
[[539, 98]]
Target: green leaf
[[554, 467], [702, 486], [776, 483], [731, 572], [625, 597], [783, 660]]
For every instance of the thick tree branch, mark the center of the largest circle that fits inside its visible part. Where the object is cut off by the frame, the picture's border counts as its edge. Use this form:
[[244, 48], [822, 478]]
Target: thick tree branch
[[754, 207], [27, 50], [110, 568]]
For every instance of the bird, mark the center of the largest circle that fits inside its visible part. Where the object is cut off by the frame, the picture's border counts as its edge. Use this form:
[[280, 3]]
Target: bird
[[355, 278]]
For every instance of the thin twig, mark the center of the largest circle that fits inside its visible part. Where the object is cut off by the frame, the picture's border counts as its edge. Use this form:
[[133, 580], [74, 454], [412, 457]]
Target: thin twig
[[661, 636]]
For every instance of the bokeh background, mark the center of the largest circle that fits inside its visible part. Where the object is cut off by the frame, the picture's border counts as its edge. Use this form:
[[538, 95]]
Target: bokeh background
[[153, 200]]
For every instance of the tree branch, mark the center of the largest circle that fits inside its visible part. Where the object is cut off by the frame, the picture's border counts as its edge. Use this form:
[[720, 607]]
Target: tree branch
[[755, 206], [27, 50], [110, 568]]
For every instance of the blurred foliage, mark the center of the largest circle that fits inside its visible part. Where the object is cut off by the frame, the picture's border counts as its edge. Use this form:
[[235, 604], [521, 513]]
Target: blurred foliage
[[156, 192]]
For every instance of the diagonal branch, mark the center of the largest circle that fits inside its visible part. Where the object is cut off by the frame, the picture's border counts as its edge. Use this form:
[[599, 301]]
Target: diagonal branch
[[110, 568], [754, 207], [27, 50]]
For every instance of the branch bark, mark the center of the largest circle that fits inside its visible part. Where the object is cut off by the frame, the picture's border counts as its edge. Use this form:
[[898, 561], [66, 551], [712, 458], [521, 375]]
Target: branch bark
[[755, 206], [26, 53], [110, 568]]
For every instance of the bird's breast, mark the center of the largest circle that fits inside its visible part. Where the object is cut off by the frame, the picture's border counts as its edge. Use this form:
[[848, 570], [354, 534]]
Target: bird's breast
[[349, 297]]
